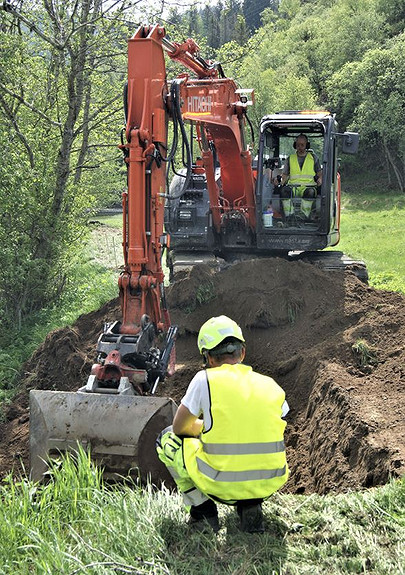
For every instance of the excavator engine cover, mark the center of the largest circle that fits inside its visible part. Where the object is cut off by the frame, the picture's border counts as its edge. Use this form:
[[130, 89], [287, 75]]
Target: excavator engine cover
[[119, 430]]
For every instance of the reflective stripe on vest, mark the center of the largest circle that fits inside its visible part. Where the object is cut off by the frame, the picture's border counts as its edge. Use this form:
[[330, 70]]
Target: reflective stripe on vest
[[304, 175], [232, 476], [243, 448]]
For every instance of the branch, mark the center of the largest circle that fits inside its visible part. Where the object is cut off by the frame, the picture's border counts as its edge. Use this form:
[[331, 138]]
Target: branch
[[20, 135], [102, 119], [124, 7], [28, 105], [95, 166], [8, 7], [97, 112], [96, 146], [84, 24]]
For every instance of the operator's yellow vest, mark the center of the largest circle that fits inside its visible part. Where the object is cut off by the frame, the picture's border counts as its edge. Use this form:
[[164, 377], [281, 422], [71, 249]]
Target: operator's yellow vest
[[242, 456], [303, 176]]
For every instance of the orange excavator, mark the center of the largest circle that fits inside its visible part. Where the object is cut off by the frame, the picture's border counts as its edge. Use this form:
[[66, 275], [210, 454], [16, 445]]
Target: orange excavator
[[214, 208]]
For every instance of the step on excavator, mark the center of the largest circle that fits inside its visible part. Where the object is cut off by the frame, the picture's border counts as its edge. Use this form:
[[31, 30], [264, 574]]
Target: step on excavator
[[219, 206]]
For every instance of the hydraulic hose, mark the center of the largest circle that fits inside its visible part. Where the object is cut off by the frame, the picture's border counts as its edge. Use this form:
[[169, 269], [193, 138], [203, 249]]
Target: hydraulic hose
[[178, 121]]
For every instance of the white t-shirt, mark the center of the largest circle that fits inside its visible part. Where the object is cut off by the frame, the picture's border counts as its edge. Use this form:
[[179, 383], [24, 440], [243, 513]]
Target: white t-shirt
[[197, 399]]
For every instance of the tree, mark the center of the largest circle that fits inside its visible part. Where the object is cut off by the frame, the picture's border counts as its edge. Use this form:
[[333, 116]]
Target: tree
[[228, 20], [61, 77], [372, 93], [253, 9], [211, 26], [394, 14], [240, 34]]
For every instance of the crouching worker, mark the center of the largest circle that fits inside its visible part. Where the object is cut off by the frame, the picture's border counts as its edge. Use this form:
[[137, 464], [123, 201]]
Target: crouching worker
[[227, 440]]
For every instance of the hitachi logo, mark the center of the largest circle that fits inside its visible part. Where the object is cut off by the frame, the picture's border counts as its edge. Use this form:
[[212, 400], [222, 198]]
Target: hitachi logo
[[199, 103]]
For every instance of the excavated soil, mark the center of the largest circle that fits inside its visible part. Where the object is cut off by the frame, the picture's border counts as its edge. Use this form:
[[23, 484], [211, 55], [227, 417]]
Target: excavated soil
[[335, 345]]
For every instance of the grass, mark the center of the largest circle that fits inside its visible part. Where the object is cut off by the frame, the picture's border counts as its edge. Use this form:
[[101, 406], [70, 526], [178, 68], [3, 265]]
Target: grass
[[76, 525], [91, 283], [365, 355], [203, 294], [113, 221], [373, 229], [293, 308]]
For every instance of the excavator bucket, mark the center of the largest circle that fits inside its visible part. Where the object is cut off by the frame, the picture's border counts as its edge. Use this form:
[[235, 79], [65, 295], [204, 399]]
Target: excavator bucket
[[119, 430]]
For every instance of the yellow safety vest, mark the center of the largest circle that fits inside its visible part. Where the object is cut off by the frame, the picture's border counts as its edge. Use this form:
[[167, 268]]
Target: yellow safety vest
[[242, 456], [303, 176]]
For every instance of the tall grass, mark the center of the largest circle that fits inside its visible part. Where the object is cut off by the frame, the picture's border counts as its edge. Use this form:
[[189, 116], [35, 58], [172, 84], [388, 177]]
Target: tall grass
[[75, 524]]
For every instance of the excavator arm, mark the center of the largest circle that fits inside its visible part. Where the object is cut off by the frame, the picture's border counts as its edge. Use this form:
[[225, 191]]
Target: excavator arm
[[217, 108], [141, 346]]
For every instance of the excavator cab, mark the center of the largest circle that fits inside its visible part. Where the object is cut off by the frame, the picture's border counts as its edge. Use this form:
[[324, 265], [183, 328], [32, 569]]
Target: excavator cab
[[290, 216], [301, 213]]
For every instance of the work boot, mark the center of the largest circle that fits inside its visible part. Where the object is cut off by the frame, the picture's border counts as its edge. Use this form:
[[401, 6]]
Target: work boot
[[204, 517], [204, 524], [251, 518]]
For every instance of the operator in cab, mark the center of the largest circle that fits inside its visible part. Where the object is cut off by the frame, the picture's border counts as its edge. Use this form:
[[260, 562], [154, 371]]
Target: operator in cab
[[226, 444], [302, 170]]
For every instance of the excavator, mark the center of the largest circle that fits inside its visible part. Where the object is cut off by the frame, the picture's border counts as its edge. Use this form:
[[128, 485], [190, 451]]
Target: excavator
[[217, 206]]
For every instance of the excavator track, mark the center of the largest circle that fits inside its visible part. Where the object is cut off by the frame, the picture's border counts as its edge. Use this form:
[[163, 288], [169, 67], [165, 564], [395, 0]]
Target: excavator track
[[329, 261], [333, 261]]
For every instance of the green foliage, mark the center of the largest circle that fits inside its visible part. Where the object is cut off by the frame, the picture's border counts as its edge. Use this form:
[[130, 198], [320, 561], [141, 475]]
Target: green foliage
[[204, 294], [253, 11], [293, 308], [364, 353], [394, 13], [91, 281], [288, 9], [376, 106], [59, 124]]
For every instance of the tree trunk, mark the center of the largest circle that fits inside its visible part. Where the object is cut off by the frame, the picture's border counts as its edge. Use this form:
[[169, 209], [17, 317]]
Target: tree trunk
[[399, 176]]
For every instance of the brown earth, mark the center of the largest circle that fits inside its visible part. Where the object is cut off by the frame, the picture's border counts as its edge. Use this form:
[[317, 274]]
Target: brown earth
[[334, 344]]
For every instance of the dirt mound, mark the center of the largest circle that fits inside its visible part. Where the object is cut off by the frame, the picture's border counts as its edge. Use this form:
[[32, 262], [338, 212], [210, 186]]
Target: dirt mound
[[335, 345]]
